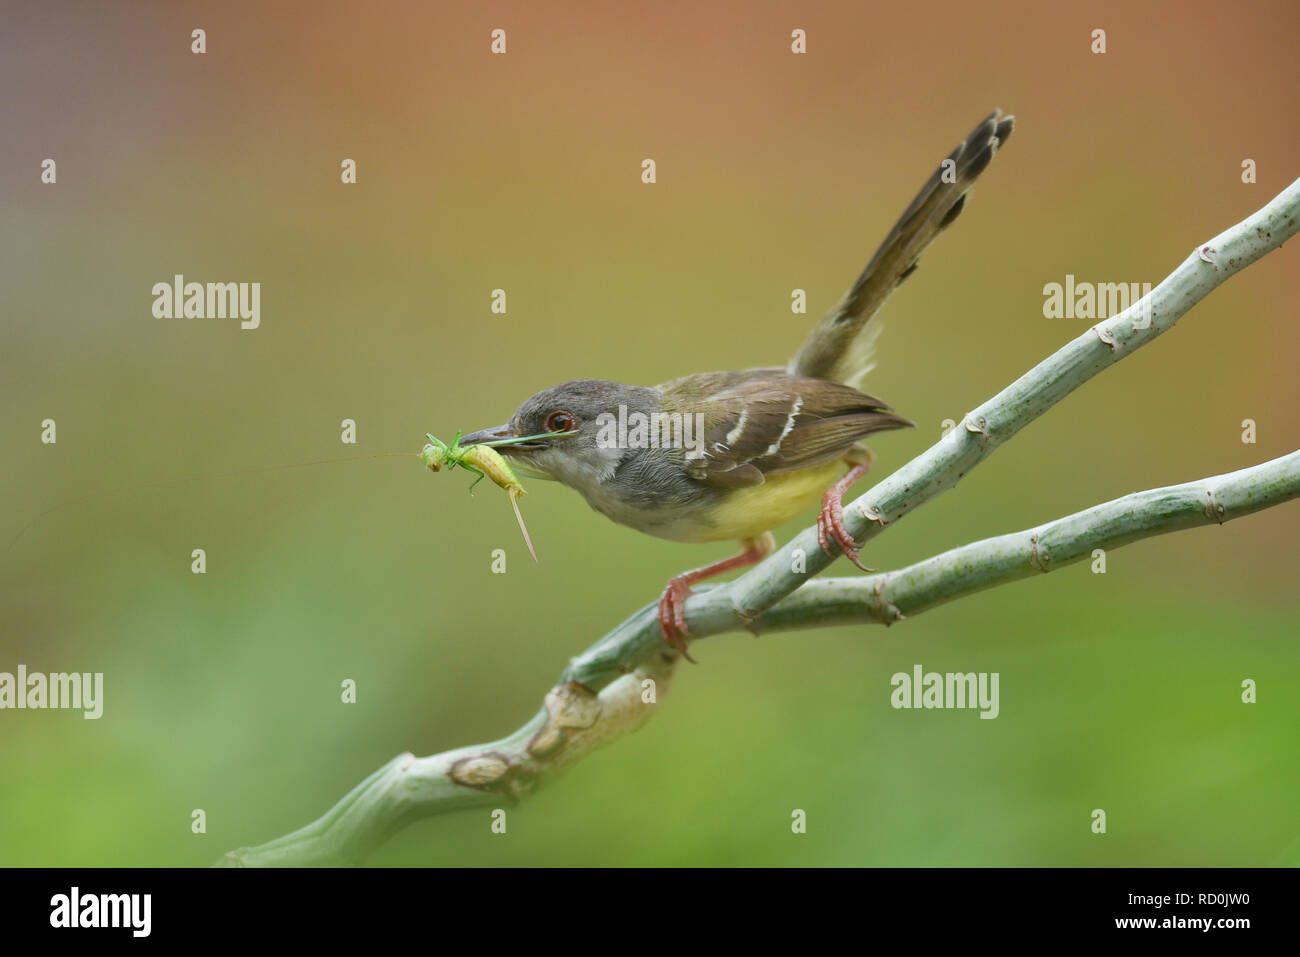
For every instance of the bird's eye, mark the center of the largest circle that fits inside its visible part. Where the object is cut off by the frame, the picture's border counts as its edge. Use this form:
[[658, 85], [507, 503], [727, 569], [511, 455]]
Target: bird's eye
[[561, 422]]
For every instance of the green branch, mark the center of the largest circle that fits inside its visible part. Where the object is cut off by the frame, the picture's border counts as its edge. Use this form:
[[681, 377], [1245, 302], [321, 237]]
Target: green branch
[[614, 687]]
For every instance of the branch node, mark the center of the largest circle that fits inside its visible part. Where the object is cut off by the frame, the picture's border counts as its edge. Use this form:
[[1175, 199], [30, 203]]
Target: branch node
[[884, 610], [1038, 556], [1207, 254], [746, 617], [570, 707], [873, 514], [1212, 508], [492, 771], [1105, 336]]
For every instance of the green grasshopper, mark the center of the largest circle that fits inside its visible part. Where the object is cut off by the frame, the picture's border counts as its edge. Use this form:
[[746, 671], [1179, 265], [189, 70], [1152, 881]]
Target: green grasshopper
[[485, 462]]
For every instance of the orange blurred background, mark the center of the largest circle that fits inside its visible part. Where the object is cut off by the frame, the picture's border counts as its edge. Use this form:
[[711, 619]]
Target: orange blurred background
[[775, 171]]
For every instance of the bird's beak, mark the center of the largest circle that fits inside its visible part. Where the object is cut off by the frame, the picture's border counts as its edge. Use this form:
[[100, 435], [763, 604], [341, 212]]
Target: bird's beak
[[503, 433], [487, 435]]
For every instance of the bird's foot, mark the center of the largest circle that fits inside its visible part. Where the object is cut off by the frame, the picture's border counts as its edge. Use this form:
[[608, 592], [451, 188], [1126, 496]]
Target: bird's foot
[[830, 521], [672, 614], [672, 603]]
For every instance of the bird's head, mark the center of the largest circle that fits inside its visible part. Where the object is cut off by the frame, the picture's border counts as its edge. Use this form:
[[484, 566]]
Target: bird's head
[[584, 456]]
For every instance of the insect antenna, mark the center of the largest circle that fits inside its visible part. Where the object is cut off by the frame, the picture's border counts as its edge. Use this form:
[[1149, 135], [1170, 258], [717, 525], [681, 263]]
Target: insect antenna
[[183, 480]]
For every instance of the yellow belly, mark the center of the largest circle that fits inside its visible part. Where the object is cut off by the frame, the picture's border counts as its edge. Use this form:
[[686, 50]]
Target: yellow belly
[[749, 512]]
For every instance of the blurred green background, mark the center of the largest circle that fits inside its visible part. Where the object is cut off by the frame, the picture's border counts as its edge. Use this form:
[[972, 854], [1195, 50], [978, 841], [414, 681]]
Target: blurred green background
[[775, 171]]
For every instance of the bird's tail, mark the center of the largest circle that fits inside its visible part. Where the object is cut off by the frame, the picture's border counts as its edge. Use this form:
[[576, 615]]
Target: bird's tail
[[840, 347]]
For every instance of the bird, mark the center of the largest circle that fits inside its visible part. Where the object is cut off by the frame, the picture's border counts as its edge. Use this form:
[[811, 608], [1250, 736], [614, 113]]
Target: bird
[[732, 455]]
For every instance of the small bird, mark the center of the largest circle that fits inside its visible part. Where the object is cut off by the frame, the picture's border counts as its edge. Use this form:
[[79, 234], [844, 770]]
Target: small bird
[[731, 455]]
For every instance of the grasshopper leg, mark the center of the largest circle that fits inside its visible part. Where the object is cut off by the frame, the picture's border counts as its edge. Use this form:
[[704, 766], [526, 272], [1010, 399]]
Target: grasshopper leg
[[479, 472]]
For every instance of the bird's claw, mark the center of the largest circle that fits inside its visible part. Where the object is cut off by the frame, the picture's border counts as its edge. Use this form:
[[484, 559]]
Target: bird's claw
[[830, 527], [672, 616]]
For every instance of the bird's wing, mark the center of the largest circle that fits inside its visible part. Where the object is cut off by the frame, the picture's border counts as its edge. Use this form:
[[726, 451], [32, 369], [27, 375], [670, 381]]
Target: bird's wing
[[762, 423]]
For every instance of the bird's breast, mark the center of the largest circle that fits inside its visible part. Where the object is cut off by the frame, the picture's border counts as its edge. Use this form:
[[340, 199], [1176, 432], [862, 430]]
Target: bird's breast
[[711, 514]]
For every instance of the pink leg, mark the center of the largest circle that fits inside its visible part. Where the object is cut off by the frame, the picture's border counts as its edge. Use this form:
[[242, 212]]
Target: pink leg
[[830, 523], [672, 603]]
